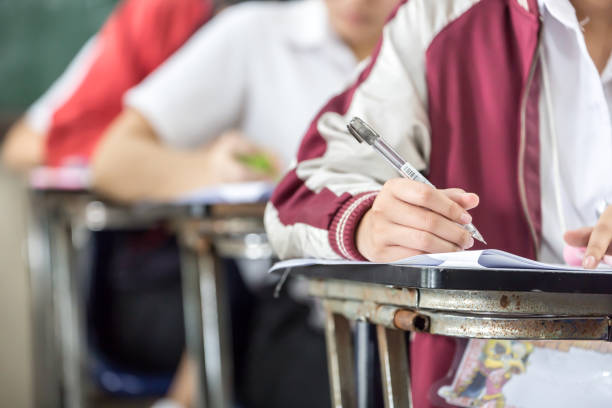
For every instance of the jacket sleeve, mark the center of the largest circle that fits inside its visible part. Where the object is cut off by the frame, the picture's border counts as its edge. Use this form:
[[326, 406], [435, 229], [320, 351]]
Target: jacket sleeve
[[136, 38], [315, 210]]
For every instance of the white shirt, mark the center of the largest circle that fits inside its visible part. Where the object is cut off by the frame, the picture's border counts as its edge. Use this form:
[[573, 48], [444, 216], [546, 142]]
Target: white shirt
[[264, 68], [579, 111]]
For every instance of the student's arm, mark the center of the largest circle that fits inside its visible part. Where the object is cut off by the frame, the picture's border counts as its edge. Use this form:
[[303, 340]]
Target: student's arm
[[154, 150], [336, 201], [25, 144], [23, 147], [131, 164]]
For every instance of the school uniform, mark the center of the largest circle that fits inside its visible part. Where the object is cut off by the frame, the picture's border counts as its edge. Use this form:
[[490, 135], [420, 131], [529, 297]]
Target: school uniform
[[264, 69], [138, 36], [134, 310], [459, 88]]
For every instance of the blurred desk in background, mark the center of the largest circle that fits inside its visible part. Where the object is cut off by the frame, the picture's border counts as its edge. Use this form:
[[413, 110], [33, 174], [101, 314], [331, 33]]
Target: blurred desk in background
[[490, 304], [65, 212]]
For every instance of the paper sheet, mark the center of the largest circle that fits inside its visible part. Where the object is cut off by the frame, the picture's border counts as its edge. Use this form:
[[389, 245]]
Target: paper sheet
[[482, 259], [231, 193]]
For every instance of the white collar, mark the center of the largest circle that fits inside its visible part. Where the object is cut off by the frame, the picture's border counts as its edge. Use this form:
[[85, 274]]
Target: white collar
[[562, 11], [308, 25]]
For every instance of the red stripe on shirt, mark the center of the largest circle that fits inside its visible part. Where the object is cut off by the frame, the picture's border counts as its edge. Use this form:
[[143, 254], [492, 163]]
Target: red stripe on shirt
[[135, 40]]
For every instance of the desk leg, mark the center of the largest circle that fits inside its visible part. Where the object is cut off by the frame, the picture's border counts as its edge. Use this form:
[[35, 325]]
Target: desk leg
[[192, 309], [365, 365], [340, 360], [217, 337], [68, 301], [45, 351], [394, 367]]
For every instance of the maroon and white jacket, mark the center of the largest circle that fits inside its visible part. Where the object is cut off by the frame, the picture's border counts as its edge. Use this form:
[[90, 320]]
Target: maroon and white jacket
[[454, 86]]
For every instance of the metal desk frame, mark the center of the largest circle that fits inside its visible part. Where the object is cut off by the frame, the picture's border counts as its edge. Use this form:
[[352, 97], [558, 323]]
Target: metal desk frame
[[438, 301], [60, 230]]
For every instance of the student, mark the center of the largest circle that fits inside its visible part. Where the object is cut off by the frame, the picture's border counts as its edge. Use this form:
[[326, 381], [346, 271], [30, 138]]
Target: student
[[258, 71], [64, 126], [135, 313], [504, 104]]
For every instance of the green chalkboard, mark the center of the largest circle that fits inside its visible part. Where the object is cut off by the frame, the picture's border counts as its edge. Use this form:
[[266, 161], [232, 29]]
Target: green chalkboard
[[38, 38]]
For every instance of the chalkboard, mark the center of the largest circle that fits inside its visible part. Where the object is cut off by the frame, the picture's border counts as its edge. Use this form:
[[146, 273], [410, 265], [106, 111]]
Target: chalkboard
[[38, 38]]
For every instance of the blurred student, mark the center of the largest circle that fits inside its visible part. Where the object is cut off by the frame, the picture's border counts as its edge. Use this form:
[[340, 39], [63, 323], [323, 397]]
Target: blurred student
[[247, 82], [64, 126], [260, 69], [510, 100], [135, 310]]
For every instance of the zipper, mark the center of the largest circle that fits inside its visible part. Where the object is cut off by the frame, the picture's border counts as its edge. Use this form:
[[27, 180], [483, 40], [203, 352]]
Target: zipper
[[522, 147]]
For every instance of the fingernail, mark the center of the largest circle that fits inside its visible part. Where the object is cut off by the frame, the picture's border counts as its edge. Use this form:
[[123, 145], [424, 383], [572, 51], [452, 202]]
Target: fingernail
[[589, 262], [466, 218], [470, 243]]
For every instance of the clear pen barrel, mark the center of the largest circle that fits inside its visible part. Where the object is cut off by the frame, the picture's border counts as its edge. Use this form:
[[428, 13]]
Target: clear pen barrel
[[396, 160]]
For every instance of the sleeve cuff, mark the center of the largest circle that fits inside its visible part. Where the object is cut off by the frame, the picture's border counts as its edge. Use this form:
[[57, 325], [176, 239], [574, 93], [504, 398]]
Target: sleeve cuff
[[344, 225]]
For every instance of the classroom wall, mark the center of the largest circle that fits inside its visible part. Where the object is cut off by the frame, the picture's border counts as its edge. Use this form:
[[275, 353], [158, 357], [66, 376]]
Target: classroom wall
[[15, 331], [37, 40]]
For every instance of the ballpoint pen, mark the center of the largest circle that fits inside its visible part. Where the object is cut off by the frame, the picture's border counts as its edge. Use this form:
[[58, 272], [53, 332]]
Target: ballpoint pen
[[364, 133]]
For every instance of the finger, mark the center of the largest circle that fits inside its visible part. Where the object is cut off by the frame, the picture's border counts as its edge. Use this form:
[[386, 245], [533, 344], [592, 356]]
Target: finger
[[411, 238], [465, 200], [420, 218], [421, 194], [243, 147], [578, 237], [395, 253], [275, 161], [598, 245], [237, 172], [236, 143]]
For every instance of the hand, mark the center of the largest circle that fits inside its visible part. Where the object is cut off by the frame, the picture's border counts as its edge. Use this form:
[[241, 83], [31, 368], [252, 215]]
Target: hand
[[222, 160], [411, 218], [596, 239]]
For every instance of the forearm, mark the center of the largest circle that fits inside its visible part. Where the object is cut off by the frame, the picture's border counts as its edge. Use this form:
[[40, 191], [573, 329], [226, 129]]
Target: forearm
[[316, 209], [23, 147], [130, 164]]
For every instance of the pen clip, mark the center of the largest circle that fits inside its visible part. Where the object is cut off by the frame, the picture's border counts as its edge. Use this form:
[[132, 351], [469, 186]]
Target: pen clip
[[354, 132]]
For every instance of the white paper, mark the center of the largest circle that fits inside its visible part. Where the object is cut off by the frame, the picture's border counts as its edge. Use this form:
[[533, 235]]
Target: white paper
[[481, 259], [230, 193], [60, 178]]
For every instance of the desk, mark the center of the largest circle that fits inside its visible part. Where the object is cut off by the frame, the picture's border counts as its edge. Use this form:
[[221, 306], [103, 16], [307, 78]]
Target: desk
[[62, 222], [234, 231], [529, 304]]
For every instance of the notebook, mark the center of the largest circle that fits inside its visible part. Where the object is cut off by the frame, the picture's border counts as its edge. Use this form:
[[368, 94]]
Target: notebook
[[60, 178]]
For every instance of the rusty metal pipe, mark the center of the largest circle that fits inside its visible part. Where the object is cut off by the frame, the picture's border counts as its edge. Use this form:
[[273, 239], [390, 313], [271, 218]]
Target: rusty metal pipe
[[409, 320]]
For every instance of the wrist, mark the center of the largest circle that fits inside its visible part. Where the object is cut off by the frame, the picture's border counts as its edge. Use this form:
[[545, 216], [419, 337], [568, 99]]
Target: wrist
[[343, 231]]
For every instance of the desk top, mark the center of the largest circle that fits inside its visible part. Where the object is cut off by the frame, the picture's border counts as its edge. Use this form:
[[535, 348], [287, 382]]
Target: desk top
[[431, 277], [76, 181]]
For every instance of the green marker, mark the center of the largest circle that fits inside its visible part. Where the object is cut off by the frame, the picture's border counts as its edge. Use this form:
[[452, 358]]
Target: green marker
[[258, 162]]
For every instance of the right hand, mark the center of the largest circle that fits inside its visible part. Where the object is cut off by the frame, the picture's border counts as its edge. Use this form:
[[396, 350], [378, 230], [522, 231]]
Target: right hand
[[410, 218], [221, 159]]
